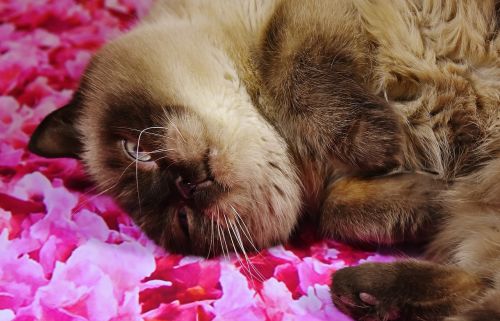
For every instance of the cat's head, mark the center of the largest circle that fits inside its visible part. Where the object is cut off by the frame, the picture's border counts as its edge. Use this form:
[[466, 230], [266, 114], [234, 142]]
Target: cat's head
[[167, 128]]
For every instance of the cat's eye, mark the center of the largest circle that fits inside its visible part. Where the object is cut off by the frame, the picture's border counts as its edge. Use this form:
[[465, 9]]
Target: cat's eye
[[130, 148]]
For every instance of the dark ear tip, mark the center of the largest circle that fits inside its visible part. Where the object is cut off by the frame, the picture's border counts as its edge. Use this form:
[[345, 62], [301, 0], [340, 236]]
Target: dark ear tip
[[32, 147], [56, 136], [33, 144]]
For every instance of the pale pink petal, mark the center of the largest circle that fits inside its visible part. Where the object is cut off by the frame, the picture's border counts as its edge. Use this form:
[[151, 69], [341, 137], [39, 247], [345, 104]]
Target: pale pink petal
[[20, 276], [317, 304], [313, 272], [75, 67], [277, 300], [129, 309], [7, 315], [115, 260], [91, 225], [31, 185], [280, 252], [238, 300]]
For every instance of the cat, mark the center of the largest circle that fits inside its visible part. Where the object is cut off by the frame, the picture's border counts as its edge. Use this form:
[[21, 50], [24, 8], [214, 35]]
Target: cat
[[220, 124]]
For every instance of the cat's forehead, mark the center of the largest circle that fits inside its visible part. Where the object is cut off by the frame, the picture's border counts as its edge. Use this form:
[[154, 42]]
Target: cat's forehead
[[118, 69], [124, 78], [139, 76], [165, 66]]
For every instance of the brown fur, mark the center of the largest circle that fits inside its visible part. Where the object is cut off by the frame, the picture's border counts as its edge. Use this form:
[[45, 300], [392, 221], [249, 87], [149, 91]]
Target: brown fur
[[382, 210], [378, 117]]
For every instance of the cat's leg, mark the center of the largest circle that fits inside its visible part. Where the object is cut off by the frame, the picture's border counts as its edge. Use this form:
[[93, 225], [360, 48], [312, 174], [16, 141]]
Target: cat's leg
[[472, 236], [488, 309], [467, 288], [382, 210], [406, 290], [317, 75]]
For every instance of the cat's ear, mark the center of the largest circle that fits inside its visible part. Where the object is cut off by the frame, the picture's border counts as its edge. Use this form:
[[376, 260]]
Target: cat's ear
[[57, 136]]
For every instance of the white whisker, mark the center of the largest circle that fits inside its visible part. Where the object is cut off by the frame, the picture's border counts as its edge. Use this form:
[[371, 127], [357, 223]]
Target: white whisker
[[211, 236], [138, 130], [234, 247], [170, 122], [237, 235], [244, 229], [221, 235]]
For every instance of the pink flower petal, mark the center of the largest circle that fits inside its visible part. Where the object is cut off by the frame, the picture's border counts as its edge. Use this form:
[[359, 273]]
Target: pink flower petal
[[238, 300], [7, 315]]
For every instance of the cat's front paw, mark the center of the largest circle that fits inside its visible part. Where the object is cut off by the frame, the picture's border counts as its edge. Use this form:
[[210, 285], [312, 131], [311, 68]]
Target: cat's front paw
[[409, 290]]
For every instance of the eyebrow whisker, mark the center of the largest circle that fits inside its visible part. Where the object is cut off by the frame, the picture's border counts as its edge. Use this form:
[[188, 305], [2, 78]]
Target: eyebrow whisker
[[138, 130], [170, 122]]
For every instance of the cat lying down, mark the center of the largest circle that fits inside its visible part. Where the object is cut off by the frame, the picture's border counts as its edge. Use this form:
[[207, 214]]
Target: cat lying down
[[379, 120]]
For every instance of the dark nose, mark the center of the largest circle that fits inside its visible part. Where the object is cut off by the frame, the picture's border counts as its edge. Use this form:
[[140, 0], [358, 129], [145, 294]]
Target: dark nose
[[196, 185], [192, 178], [194, 190], [185, 188]]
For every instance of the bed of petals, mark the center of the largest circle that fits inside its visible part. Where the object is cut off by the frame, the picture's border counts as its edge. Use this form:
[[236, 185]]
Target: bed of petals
[[69, 254]]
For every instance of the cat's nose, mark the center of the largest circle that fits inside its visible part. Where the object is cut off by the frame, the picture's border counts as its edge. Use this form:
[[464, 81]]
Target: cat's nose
[[199, 194], [196, 185], [187, 188], [188, 176]]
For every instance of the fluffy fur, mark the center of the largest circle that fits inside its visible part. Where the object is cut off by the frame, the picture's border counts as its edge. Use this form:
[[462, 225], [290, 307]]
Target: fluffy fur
[[378, 118]]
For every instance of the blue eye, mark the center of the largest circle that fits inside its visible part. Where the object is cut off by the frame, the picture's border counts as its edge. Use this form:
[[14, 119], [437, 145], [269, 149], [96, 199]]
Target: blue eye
[[130, 149]]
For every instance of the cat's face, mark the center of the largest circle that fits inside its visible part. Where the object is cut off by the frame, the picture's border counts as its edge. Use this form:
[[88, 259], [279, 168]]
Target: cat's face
[[168, 129]]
